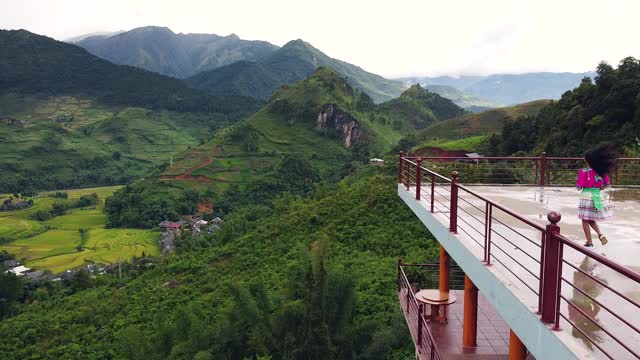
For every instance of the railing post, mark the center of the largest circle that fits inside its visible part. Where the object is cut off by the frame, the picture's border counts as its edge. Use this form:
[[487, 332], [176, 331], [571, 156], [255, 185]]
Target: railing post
[[543, 168], [400, 167], [399, 272], [488, 222], [433, 190], [420, 324], [551, 271], [418, 175], [453, 206]]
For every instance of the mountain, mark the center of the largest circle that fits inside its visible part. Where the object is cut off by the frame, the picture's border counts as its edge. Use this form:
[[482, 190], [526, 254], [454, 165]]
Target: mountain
[[71, 119], [592, 113], [180, 55], [35, 64], [468, 102], [97, 34], [322, 119], [293, 62], [509, 89], [421, 107]]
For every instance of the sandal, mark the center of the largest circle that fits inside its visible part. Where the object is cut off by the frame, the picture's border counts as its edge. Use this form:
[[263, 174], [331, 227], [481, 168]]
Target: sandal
[[587, 244], [603, 239]]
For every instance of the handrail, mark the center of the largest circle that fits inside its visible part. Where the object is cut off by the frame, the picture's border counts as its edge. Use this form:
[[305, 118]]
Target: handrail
[[621, 269]]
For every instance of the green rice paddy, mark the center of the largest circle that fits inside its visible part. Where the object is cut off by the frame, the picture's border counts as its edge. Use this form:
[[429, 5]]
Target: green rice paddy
[[52, 244]]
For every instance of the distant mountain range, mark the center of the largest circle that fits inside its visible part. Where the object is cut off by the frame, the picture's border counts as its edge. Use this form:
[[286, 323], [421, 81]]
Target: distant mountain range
[[229, 65], [161, 50], [469, 102], [508, 89]]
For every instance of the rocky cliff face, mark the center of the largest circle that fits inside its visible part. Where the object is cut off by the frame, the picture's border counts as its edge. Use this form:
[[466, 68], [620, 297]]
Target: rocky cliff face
[[329, 117]]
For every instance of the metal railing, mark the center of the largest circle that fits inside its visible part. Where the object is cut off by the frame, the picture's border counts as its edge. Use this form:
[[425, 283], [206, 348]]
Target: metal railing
[[534, 256], [542, 170], [426, 347]]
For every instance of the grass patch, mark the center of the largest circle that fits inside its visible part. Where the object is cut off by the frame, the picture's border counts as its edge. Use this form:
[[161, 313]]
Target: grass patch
[[472, 143]]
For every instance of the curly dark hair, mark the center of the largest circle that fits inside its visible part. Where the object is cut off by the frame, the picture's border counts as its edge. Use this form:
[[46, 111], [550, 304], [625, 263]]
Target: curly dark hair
[[602, 158]]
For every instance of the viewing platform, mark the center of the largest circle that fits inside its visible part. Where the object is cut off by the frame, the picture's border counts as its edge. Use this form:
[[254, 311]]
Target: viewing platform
[[513, 230]]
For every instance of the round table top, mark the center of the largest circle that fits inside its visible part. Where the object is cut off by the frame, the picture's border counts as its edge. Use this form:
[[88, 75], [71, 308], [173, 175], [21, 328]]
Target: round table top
[[435, 297]]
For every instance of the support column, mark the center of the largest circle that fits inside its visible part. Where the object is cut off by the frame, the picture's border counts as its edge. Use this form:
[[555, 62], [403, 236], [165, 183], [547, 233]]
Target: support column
[[470, 321], [517, 350], [445, 262]]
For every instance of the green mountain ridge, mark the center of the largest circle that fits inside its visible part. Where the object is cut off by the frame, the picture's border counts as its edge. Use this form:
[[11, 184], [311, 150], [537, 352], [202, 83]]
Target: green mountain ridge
[[293, 62], [423, 107], [180, 55]]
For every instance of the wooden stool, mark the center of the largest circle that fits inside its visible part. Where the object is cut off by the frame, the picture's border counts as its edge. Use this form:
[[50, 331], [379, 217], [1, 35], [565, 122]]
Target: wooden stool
[[437, 300]]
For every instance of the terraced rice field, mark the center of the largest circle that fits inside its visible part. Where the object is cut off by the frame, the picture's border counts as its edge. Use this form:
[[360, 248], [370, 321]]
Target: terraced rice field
[[52, 244]]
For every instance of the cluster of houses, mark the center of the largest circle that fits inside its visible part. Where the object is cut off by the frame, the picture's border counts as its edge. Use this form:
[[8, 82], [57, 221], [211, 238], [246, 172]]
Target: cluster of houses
[[195, 224], [18, 269]]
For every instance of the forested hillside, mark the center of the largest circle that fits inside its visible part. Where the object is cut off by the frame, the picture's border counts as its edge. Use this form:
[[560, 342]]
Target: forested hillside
[[604, 111], [69, 119], [160, 50], [292, 278], [421, 107]]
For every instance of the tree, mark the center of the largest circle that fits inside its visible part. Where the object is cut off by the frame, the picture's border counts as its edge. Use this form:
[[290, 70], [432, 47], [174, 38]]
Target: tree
[[10, 292]]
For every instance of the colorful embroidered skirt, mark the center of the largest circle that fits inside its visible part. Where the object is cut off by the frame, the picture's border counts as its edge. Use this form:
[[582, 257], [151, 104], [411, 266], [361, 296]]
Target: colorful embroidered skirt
[[587, 209]]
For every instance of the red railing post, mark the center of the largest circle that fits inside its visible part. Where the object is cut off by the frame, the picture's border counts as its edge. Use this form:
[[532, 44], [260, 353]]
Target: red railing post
[[418, 174], [433, 190], [420, 325], [551, 270], [543, 168], [453, 206], [399, 272], [400, 167]]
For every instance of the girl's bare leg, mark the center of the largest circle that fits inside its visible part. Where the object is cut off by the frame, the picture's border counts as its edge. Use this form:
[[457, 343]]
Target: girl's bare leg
[[595, 227], [587, 230]]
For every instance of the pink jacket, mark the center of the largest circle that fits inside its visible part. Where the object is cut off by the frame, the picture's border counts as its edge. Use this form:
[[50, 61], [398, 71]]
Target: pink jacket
[[587, 178]]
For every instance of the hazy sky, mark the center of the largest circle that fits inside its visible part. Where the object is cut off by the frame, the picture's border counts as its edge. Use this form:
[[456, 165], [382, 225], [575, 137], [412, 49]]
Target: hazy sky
[[391, 38]]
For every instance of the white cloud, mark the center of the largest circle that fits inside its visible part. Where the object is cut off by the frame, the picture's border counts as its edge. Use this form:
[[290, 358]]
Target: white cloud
[[391, 38]]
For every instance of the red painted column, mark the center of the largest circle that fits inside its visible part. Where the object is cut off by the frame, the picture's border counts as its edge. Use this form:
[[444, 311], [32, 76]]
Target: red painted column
[[445, 263], [470, 321], [551, 270], [517, 350], [418, 178], [453, 206], [543, 168]]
